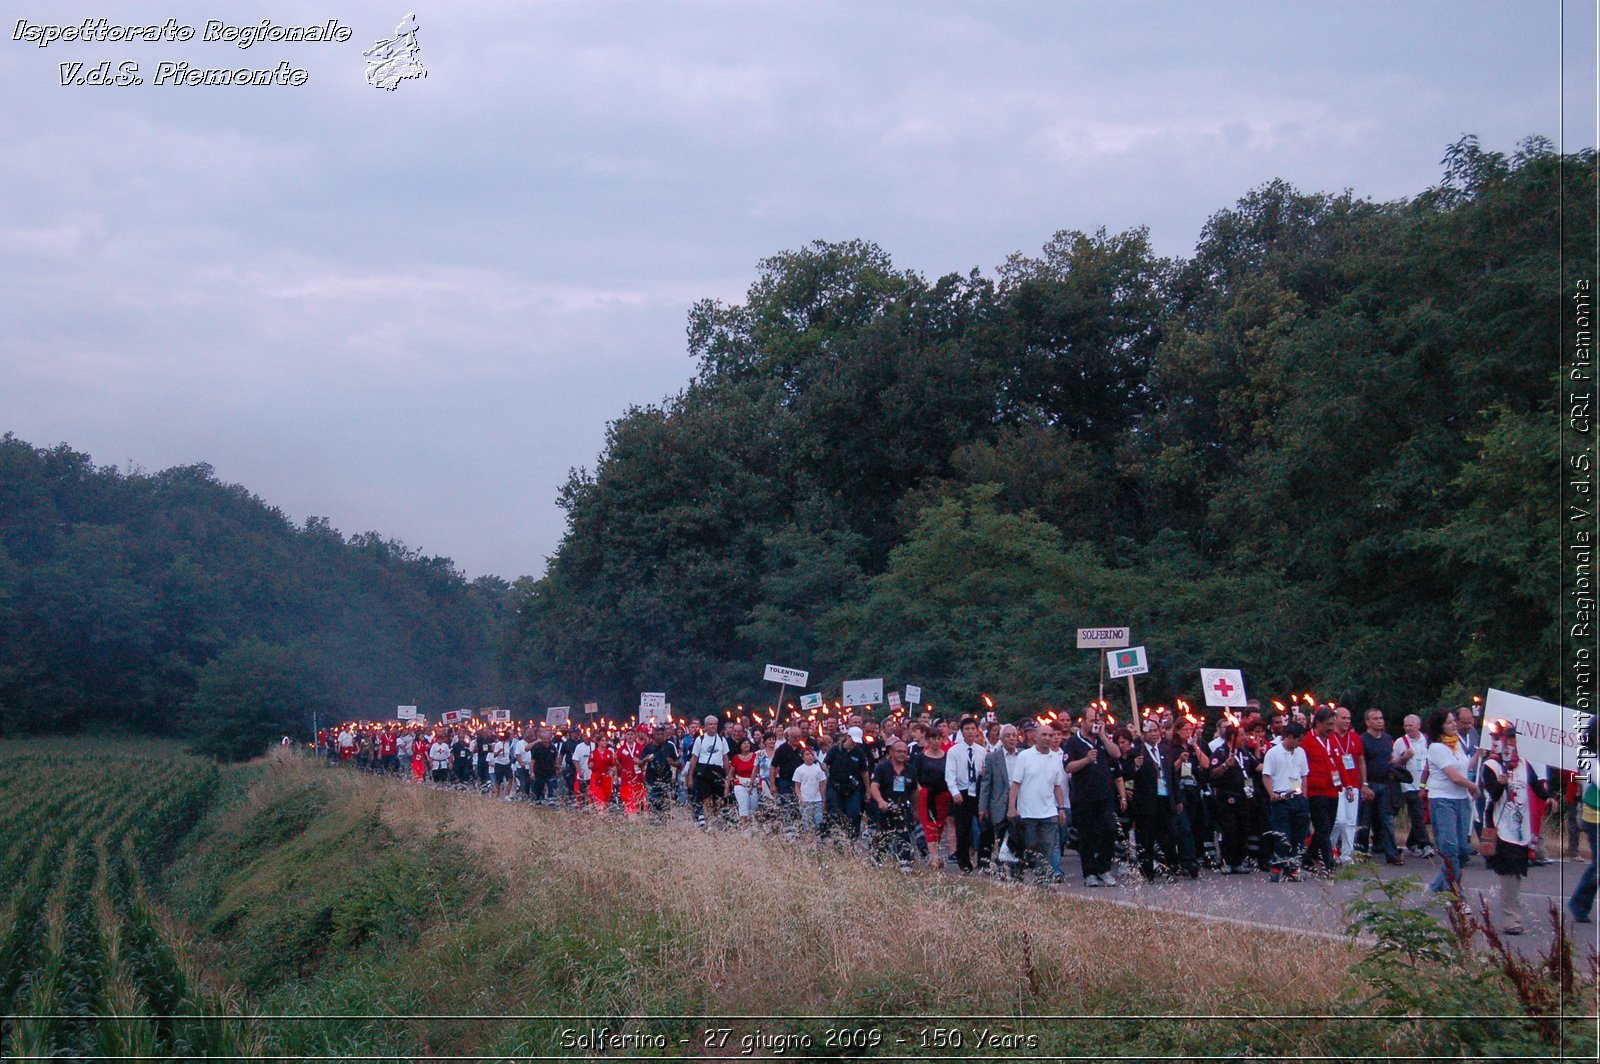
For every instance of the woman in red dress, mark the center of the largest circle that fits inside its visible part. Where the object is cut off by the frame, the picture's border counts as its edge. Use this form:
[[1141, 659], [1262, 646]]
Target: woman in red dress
[[631, 772], [602, 771], [419, 756]]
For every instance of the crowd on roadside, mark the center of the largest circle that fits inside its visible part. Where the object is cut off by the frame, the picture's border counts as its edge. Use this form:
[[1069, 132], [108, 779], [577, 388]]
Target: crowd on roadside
[[1292, 792]]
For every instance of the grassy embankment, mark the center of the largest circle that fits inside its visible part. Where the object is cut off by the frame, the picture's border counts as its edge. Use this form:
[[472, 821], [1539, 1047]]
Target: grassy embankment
[[319, 892]]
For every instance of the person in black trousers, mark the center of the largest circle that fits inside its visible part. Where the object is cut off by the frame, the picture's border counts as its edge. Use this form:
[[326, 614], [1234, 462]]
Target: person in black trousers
[[1091, 757]]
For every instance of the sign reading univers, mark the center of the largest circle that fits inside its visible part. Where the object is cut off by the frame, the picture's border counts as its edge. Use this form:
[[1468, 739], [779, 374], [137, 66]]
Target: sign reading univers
[[1546, 734], [787, 677], [557, 715], [1129, 662], [863, 692], [1224, 687], [1102, 637]]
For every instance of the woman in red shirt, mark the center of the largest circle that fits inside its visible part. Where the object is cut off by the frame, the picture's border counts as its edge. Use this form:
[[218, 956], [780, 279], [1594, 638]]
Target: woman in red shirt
[[602, 771], [742, 780]]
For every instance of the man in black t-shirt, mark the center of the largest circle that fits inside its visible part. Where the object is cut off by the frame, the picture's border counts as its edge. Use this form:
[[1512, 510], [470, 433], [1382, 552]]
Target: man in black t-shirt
[[894, 786], [542, 757], [1377, 811], [847, 782], [659, 757], [789, 756], [1091, 757], [461, 759]]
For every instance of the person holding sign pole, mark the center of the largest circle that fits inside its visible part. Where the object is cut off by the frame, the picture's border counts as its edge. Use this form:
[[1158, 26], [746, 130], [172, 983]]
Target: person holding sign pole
[[1091, 758], [1512, 786]]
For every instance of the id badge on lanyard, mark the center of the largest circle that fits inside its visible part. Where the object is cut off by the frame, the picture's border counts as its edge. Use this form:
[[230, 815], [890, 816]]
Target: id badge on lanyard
[[1249, 784], [899, 785]]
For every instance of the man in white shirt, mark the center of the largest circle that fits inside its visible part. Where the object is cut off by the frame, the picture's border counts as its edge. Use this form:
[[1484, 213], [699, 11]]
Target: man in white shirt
[[706, 774], [1038, 802], [580, 760], [963, 768], [1283, 774], [1411, 754]]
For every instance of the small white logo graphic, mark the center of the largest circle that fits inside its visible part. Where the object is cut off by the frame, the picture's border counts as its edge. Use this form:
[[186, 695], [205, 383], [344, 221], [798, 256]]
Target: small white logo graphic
[[393, 61]]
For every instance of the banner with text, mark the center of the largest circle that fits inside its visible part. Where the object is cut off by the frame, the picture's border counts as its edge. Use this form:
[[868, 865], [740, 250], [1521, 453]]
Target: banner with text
[[789, 677], [1546, 734]]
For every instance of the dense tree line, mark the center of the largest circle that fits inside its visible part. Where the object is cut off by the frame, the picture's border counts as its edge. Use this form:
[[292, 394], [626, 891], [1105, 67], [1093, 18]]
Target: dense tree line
[[1323, 449], [174, 602]]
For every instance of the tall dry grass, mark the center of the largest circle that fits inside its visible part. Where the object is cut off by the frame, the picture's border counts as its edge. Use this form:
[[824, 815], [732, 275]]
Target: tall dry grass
[[761, 925]]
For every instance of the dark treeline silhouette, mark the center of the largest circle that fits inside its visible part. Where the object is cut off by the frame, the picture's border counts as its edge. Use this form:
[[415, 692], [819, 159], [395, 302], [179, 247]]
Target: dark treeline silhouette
[[121, 591], [1324, 449]]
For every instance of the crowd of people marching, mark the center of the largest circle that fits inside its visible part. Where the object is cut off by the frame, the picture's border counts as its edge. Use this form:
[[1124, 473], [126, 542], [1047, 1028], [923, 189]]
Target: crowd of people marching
[[1291, 792]]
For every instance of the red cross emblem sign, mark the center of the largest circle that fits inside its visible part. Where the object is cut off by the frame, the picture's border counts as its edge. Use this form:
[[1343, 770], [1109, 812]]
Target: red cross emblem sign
[[1223, 687]]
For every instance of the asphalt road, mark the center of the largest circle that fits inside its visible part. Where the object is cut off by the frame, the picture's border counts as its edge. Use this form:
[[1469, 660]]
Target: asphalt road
[[1316, 906]]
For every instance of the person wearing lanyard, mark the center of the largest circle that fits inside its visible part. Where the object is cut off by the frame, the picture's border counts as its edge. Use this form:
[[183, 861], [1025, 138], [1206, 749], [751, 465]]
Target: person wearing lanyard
[[1353, 770], [1232, 779], [1090, 757], [963, 769], [1149, 801], [1324, 781]]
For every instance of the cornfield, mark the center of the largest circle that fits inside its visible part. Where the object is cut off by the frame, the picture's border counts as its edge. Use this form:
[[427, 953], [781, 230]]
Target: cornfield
[[87, 968]]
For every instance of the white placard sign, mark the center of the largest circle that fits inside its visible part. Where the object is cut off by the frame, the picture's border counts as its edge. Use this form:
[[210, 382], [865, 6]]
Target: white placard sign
[[894, 699], [863, 692], [557, 714], [913, 694], [591, 708], [500, 716], [453, 716], [1546, 734], [661, 714], [1129, 662], [406, 712], [788, 677], [1102, 637], [811, 702], [1224, 687], [651, 700]]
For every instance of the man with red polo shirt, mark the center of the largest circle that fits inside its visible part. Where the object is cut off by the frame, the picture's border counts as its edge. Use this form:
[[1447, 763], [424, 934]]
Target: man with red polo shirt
[[1325, 779], [388, 751]]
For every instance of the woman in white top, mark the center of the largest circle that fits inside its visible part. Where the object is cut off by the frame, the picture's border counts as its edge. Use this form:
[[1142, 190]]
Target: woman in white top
[[1450, 795]]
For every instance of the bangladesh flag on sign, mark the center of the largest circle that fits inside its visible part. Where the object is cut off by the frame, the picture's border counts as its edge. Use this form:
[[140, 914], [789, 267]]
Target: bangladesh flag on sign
[[1127, 661]]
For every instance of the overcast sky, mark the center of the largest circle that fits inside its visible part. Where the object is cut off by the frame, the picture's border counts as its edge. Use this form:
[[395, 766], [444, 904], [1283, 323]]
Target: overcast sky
[[413, 311]]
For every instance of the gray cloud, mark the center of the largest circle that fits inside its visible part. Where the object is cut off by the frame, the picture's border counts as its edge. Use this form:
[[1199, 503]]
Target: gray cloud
[[413, 311]]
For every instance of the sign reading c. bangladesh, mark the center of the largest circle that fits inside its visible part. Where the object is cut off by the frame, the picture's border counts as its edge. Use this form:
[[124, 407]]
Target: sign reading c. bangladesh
[[1129, 662]]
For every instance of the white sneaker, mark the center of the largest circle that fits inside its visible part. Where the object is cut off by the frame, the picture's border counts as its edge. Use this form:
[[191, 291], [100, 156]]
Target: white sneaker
[[1092, 881], [1108, 880]]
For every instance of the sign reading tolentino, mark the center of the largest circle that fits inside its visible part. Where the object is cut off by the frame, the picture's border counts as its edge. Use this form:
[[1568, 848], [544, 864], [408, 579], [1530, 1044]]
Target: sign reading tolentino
[[790, 677]]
